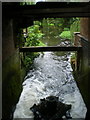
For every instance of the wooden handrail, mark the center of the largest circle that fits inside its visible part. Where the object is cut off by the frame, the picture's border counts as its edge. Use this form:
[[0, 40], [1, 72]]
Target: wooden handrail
[[78, 39]]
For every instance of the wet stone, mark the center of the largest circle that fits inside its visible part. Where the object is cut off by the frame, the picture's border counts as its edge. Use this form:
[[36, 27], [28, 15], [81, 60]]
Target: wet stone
[[50, 108]]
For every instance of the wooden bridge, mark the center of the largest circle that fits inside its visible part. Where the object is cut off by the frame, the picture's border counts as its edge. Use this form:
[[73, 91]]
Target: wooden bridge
[[76, 48], [49, 48]]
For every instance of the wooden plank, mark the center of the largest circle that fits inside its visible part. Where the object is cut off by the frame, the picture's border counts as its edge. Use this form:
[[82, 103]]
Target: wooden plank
[[50, 48]]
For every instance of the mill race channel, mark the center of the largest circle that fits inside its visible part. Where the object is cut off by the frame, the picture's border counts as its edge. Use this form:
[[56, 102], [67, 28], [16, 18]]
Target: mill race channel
[[51, 75]]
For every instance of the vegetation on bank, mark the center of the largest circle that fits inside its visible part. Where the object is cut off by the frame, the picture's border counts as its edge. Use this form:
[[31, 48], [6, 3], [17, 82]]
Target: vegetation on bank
[[33, 38], [74, 27]]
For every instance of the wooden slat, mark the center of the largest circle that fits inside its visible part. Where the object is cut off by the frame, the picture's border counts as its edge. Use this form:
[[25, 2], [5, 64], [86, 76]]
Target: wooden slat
[[50, 48]]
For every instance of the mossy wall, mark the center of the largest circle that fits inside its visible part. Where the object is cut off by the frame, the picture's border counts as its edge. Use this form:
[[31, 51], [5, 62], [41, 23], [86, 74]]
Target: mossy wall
[[11, 70], [12, 84]]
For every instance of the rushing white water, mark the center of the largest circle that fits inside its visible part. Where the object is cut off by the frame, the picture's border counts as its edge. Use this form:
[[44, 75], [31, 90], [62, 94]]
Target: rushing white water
[[51, 75]]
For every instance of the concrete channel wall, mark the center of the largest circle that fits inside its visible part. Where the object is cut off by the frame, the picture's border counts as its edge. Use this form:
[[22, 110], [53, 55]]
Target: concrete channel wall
[[85, 65], [11, 71], [83, 75]]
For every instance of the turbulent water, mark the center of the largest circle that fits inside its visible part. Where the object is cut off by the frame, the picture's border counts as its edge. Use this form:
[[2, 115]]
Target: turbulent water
[[51, 75]]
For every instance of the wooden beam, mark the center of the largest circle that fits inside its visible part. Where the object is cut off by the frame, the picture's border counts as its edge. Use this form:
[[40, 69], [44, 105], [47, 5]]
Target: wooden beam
[[50, 48], [48, 9]]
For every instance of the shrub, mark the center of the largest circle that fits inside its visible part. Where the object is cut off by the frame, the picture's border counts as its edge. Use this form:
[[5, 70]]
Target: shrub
[[66, 35]]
